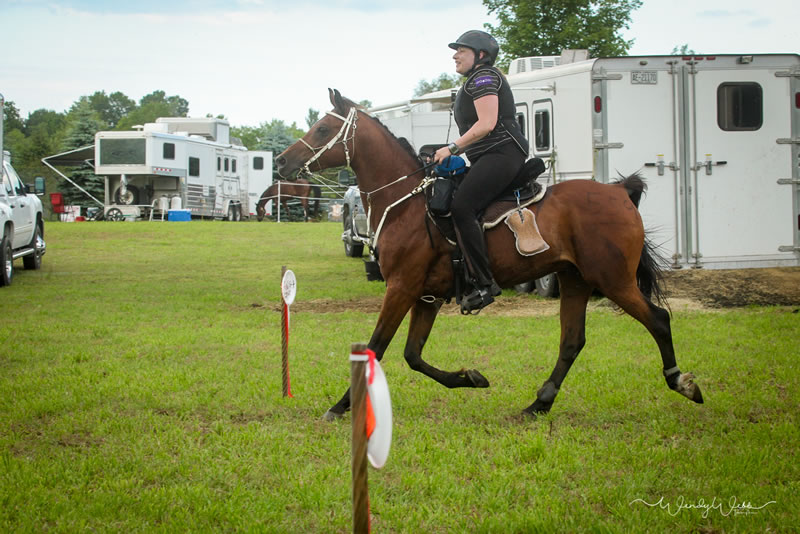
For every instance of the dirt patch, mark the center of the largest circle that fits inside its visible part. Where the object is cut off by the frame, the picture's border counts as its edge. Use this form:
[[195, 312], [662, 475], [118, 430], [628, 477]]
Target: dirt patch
[[738, 288], [689, 289]]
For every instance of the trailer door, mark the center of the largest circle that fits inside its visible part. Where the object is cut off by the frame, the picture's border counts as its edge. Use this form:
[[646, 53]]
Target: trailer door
[[740, 211], [636, 106], [259, 178]]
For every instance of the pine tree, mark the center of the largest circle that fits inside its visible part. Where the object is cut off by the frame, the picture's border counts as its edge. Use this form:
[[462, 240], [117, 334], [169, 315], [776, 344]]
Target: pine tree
[[84, 123]]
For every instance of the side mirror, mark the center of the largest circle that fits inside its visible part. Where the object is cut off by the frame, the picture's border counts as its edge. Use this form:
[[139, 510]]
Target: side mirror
[[38, 186]]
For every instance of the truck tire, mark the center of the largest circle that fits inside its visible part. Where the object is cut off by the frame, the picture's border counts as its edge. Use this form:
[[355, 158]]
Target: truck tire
[[6, 262], [34, 261], [547, 286], [352, 249]]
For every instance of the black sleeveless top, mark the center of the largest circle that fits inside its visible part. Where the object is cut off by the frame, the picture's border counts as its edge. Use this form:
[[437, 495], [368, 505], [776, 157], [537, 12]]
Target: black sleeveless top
[[487, 80]]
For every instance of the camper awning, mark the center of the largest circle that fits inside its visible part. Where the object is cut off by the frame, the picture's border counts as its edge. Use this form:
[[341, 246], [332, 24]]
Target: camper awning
[[73, 158]]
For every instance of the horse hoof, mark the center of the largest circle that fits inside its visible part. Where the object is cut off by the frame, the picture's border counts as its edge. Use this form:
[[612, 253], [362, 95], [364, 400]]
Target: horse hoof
[[477, 379], [331, 416], [537, 408], [688, 388]]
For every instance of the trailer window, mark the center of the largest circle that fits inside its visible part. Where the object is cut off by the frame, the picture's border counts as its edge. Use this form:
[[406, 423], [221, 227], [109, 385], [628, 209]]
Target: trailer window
[[122, 151], [541, 120], [219, 163], [233, 165], [169, 150], [740, 106], [194, 166], [258, 163], [227, 164]]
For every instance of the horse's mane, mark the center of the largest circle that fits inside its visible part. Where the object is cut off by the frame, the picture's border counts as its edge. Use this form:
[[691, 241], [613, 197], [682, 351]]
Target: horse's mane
[[402, 141]]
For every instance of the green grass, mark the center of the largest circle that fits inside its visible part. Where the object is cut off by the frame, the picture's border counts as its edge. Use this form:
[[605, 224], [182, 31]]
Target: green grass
[[140, 391]]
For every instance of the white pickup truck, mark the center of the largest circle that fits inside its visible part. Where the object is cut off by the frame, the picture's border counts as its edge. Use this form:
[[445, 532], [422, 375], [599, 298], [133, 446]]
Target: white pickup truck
[[21, 224]]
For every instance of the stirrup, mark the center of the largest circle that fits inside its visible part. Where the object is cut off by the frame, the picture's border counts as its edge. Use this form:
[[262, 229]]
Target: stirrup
[[473, 303]]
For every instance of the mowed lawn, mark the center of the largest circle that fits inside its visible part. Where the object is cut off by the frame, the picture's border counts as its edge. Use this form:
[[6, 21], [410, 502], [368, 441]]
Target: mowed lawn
[[140, 391]]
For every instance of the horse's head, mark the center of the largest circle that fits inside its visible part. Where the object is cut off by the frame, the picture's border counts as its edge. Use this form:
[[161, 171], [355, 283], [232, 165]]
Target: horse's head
[[329, 143], [261, 206]]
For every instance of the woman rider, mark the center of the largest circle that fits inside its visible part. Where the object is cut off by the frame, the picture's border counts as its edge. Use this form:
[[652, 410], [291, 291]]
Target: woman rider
[[493, 141]]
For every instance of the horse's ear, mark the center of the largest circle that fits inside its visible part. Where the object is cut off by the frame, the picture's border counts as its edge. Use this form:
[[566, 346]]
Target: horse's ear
[[338, 101]]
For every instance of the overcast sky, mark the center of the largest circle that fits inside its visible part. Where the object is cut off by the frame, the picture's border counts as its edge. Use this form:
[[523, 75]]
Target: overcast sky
[[258, 60]]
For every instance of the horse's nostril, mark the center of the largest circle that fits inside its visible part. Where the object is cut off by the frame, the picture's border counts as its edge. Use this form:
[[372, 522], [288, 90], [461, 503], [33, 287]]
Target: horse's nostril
[[280, 160]]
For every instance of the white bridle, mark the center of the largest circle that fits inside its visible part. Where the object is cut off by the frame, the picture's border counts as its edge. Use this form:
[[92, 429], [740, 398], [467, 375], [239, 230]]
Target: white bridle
[[346, 133]]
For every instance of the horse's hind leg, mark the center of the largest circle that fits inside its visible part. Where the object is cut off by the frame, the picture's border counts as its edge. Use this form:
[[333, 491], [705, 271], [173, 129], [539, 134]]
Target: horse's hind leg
[[657, 322], [423, 315], [575, 294]]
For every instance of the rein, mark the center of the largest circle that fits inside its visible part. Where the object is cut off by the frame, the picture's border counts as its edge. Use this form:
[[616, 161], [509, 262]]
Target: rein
[[348, 133]]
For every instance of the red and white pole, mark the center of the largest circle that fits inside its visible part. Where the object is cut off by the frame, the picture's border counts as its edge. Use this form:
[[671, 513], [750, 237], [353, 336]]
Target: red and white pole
[[288, 292]]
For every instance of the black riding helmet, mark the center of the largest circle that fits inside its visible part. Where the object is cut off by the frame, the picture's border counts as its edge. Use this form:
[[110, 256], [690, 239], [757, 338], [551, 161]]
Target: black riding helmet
[[477, 41]]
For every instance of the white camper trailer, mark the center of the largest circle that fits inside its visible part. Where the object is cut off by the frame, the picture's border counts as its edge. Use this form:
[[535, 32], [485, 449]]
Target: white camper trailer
[[186, 165], [717, 138]]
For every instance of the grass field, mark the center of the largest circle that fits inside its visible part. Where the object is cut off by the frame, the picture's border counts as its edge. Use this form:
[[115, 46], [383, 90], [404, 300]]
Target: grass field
[[140, 391]]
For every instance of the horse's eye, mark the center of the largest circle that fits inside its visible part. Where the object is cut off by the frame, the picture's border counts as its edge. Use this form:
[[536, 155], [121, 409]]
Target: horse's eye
[[322, 130]]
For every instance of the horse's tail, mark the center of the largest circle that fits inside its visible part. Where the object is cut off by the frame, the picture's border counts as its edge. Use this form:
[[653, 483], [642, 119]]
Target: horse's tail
[[650, 272]]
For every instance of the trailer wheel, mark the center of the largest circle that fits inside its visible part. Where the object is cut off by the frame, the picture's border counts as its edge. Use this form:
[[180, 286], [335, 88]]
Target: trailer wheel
[[237, 214], [34, 261], [115, 214], [6, 262], [525, 287], [130, 197], [547, 286], [231, 216]]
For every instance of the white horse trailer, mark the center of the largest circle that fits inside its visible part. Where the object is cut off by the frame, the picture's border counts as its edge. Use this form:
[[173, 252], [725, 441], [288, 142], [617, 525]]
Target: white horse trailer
[[181, 164], [717, 139]]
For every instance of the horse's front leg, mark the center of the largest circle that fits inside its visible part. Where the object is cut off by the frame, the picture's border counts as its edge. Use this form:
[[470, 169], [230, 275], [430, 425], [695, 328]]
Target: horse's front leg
[[396, 304], [423, 315]]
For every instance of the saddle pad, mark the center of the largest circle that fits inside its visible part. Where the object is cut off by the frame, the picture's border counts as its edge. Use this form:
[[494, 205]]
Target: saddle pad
[[498, 211], [528, 238]]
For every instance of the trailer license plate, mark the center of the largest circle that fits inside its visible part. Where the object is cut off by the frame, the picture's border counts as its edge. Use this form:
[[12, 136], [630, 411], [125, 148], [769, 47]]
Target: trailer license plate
[[644, 77]]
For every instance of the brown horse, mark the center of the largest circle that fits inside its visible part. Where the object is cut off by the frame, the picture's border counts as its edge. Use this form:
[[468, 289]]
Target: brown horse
[[594, 231], [300, 189]]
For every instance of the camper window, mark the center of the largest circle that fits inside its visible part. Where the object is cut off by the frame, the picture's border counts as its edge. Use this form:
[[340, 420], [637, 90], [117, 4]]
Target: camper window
[[194, 166], [233, 165], [740, 106], [258, 163], [219, 163], [169, 150], [122, 151], [227, 164]]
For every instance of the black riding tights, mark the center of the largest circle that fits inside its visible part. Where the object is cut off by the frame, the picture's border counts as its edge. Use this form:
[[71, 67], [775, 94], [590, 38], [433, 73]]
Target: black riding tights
[[489, 176]]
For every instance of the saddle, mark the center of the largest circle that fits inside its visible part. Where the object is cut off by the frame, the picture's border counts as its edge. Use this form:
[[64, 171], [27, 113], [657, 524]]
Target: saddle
[[510, 206]]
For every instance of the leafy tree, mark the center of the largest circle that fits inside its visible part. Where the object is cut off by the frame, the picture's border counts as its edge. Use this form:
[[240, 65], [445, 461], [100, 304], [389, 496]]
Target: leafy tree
[[11, 118], [546, 27], [312, 117], [84, 122], [683, 50], [113, 107], [277, 137], [444, 81], [179, 107]]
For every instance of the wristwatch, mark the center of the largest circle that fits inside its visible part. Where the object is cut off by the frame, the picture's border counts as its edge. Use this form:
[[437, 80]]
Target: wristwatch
[[453, 148]]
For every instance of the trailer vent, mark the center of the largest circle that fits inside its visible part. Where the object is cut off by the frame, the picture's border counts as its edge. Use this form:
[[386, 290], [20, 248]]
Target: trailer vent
[[529, 64]]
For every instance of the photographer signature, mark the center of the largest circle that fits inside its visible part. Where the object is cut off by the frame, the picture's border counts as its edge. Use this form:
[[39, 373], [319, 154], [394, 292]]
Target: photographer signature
[[733, 506]]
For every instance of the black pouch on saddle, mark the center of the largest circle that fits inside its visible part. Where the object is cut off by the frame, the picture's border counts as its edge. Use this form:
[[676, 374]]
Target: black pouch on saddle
[[440, 193]]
